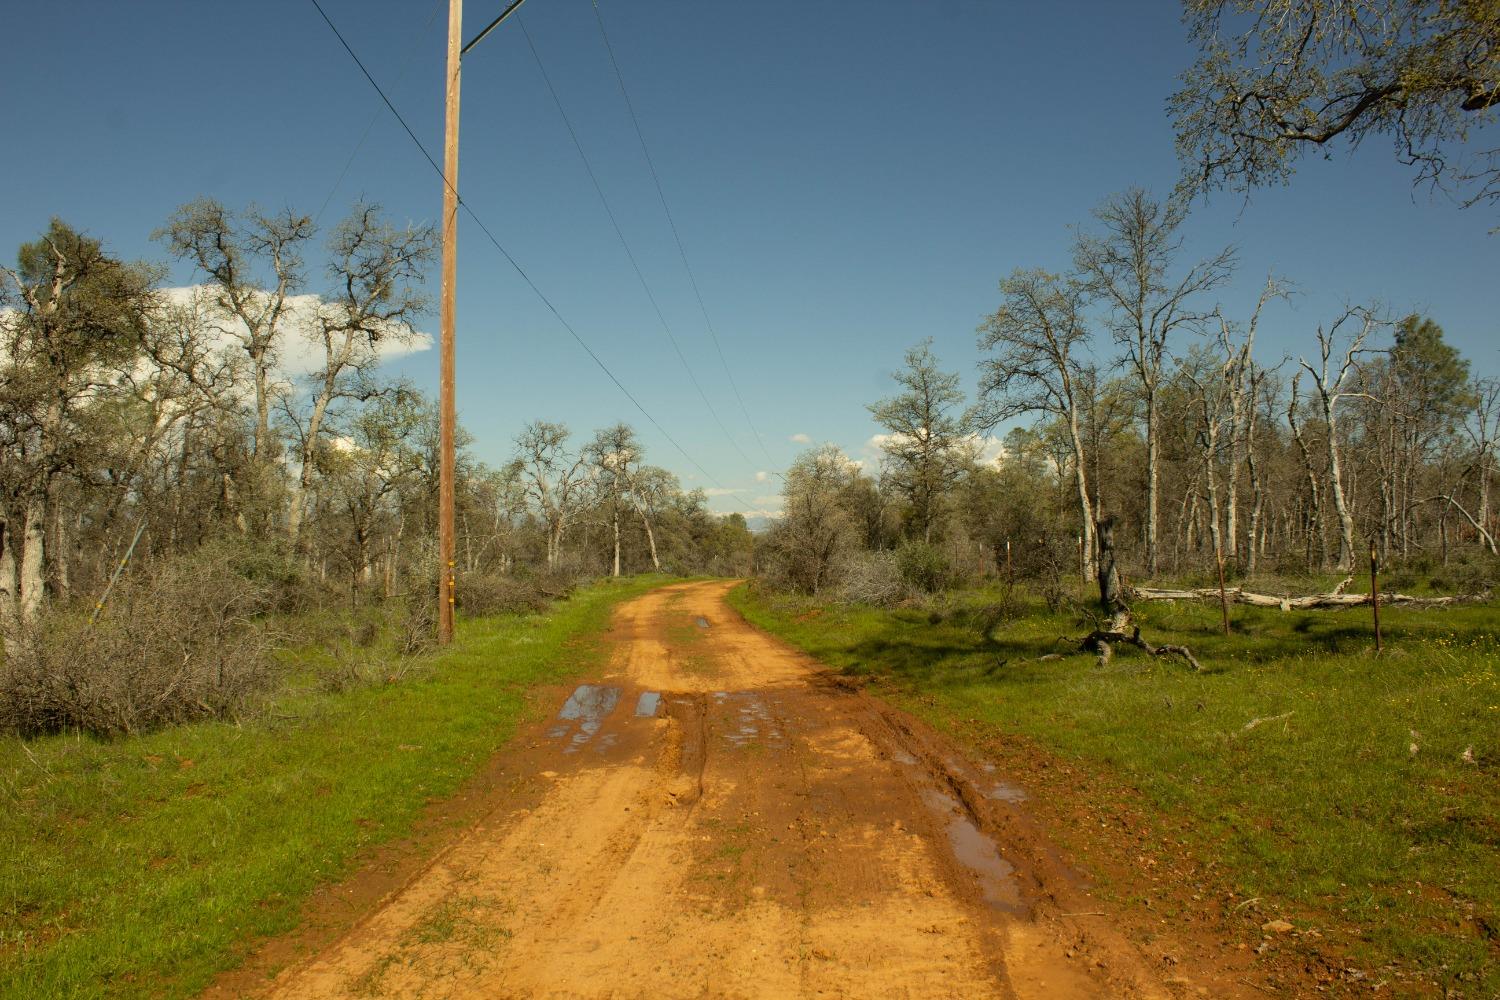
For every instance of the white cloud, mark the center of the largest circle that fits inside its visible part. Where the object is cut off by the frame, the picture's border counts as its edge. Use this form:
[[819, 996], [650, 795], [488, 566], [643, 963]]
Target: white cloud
[[720, 491], [985, 449], [299, 353], [800, 439], [767, 501], [762, 476]]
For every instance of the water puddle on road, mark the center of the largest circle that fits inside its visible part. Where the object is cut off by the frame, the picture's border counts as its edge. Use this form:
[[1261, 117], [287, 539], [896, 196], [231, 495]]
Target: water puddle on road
[[589, 704], [1005, 793], [647, 704], [702, 622], [978, 853], [752, 720]]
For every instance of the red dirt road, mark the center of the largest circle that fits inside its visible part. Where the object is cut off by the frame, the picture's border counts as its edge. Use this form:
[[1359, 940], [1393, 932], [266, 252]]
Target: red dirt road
[[716, 816]]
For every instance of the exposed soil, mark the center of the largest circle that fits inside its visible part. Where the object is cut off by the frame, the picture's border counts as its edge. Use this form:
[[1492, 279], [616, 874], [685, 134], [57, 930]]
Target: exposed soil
[[718, 816]]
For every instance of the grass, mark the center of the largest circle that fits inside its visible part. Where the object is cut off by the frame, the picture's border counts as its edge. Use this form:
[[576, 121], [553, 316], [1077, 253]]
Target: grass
[[1353, 808], [140, 867]]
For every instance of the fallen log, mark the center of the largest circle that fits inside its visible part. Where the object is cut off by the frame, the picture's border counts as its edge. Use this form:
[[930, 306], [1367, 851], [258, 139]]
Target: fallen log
[[1308, 602]]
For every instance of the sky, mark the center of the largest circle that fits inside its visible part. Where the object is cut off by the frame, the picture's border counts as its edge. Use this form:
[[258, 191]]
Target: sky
[[847, 179]]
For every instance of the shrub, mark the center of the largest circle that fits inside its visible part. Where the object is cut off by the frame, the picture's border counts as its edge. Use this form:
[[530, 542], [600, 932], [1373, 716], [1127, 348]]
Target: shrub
[[873, 578], [924, 567], [184, 639], [492, 594]]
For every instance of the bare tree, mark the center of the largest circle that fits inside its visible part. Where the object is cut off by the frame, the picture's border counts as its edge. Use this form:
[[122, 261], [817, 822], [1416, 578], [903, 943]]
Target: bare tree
[[254, 265], [374, 270], [1034, 340], [1335, 379], [1130, 268], [554, 480], [612, 456]]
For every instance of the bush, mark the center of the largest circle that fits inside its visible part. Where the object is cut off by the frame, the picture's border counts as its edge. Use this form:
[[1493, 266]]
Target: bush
[[924, 567], [873, 578], [185, 639], [492, 594]]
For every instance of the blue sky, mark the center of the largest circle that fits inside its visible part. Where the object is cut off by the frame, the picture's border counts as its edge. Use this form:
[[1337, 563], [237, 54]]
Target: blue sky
[[848, 178]]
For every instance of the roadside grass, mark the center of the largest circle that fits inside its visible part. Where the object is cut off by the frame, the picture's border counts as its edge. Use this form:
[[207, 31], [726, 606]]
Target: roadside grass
[[1350, 807], [142, 866]]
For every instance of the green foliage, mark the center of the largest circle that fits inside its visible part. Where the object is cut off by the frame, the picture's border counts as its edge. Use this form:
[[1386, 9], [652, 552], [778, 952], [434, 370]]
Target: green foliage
[[924, 567], [1365, 809]]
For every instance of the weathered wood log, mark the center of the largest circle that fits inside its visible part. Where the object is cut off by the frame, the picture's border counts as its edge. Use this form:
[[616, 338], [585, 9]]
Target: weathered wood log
[[1309, 602]]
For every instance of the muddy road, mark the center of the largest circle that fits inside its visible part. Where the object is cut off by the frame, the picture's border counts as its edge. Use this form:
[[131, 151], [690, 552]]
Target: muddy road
[[715, 816]]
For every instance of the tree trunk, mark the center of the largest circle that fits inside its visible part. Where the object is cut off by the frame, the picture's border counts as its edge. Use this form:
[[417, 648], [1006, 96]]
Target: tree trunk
[[31, 580], [616, 520], [650, 540], [1336, 488], [1153, 483], [1085, 507]]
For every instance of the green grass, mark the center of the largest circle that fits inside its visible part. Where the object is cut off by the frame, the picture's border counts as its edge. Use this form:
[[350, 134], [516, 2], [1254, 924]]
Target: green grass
[[1326, 814], [140, 867]]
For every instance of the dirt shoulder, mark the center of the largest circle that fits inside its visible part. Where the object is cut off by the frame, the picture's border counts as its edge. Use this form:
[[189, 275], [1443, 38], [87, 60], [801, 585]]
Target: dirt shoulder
[[716, 815]]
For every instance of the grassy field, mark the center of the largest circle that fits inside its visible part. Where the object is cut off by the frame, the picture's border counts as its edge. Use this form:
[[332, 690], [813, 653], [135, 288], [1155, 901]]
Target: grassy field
[[142, 866], [1366, 804]]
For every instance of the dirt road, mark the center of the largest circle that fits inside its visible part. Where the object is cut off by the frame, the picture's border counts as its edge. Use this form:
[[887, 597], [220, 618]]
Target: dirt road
[[717, 817]]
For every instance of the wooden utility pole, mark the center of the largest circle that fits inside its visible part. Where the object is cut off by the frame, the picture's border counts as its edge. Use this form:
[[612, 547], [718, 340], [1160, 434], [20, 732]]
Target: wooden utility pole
[[446, 407]]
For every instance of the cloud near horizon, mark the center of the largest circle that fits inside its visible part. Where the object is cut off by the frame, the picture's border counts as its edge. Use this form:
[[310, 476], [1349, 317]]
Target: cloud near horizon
[[800, 438]]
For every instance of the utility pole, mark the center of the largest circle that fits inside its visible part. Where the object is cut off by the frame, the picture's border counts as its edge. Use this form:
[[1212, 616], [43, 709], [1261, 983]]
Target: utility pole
[[447, 410], [446, 406]]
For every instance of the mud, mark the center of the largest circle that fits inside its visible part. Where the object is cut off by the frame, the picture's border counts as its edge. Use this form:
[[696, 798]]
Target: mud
[[717, 816]]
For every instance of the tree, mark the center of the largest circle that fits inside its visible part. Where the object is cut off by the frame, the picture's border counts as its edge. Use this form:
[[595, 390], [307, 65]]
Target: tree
[[254, 265], [1276, 78], [815, 529], [1130, 266], [1335, 381], [613, 456], [925, 436], [374, 269], [554, 480], [1036, 337], [71, 317]]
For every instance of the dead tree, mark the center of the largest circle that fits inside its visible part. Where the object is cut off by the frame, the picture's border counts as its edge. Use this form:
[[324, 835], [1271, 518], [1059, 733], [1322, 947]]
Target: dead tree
[[1120, 626]]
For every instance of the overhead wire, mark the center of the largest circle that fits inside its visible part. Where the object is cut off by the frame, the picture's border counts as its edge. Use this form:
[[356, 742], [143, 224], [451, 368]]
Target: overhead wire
[[515, 265], [411, 60], [624, 243], [672, 224]]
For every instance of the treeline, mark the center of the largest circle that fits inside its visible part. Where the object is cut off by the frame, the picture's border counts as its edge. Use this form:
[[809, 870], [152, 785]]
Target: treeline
[[237, 442], [1151, 404]]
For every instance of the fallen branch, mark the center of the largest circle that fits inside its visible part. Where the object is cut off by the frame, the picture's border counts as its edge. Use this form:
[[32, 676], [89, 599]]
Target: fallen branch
[[1310, 602], [1264, 718]]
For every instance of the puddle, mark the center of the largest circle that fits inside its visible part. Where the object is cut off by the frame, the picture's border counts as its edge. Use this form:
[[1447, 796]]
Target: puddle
[[752, 719], [647, 704], [589, 704], [1006, 793], [978, 853], [702, 622]]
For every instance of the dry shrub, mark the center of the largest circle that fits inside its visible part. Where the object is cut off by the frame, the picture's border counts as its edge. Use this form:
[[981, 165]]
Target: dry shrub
[[490, 594], [873, 578], [184, 639]]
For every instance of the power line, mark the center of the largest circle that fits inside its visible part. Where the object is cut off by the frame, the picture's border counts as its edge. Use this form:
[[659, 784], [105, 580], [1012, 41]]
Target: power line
[[672, 224], [411, 59], [512, 261], [625, 244]]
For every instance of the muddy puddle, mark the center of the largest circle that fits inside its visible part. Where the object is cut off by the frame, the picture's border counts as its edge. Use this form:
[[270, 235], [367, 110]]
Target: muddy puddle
[[752, 721], [589, 705], [978, 853]]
